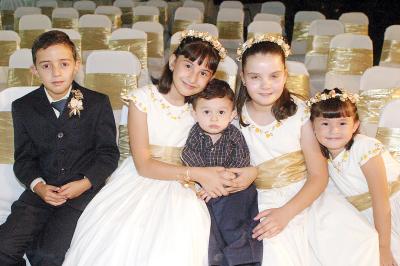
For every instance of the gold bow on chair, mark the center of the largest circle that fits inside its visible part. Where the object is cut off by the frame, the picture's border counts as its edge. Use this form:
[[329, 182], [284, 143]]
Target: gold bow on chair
[[21, 77], [138, 47], [180, 25], [390, 137], [150, 18], [28, 37], [300, 30], [7, 48], [350, 61], [318, 44], [231, 30], [391, 51], [94, 38], [65, 23], [6, 138], [299, 84], [361, 29], [112, 84], [155, 45]]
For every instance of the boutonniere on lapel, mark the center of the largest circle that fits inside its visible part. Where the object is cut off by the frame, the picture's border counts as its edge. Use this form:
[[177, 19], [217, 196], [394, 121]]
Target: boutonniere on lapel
[[75, 105]]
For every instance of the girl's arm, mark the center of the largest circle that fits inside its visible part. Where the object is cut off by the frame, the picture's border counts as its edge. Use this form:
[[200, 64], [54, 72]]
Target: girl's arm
[[211, 178], [375, 174], [275, 220]]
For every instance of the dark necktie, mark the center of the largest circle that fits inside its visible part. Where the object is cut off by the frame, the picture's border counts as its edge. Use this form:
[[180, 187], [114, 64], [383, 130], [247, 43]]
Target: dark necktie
[[59, 105]]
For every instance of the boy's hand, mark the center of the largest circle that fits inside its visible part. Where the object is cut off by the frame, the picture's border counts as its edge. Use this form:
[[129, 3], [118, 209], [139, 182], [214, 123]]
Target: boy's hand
[[49, 194], [74, 189]]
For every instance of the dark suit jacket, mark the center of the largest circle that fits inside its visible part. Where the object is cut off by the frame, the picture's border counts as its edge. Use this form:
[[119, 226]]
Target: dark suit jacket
[[64, 149]]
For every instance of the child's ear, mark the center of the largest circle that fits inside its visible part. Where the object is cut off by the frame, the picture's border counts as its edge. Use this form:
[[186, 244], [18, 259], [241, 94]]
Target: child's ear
[[171, 62], [77, 66], [34, 71]]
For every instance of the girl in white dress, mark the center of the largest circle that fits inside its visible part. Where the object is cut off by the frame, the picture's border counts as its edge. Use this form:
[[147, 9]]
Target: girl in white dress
[[360, 167], [147, 214], [300, 224]]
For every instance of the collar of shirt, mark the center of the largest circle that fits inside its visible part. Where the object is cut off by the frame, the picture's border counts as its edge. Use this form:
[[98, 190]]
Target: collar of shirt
[[228, 133], [52, 100]]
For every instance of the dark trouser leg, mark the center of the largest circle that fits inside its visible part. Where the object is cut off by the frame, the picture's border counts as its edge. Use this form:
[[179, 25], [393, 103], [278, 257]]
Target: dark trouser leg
[[26, 220], [50, 246]]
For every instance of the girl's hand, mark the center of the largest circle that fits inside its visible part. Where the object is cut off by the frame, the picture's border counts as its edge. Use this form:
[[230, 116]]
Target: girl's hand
[[213, 181], [244, 178], [386, 257], [202, 194], [273, 221]]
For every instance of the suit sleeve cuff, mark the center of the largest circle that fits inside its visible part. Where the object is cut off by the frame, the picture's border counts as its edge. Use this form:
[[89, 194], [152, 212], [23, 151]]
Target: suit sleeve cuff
[[35, 182]]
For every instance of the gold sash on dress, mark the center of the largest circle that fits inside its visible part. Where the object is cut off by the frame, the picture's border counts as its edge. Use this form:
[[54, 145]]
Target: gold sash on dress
[[300, 30], [28, 37], [390, 137], [281, 171], [21, 77], [65, 23], [138, 47], [7, 48], [230, 79], [155, 45], [349, 61], [391, 51], [361, 29], [318, 44], [150, 18], [299, 84], [94, 38], [372, 101], [230, 30], [364, 201], [113, 85], [6, 138]]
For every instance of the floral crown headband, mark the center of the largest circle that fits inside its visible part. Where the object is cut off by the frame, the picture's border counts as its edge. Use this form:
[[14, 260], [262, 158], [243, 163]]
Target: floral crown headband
[[267, 37], [343, 96], [205, 36]]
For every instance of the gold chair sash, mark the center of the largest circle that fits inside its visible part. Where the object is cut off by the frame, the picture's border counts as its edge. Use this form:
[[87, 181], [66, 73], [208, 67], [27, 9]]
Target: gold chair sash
[[257, 34], [349, 61], [155, 45], [299, 84], [372, 101], [7, 48], [47, 10], [7, 18], [16, 24], [78, 47], [390, 137], [127, 15], [115, 20], [6, 138], [94, 38], [364, 201], [361, 29], [300, 31], [28, 37], [230, 30], [20, 77], [137, 47], [281, 171], [180, 25], [318, 44], [65, 23], [163, 18], [150, 18], [85, 12], [112, 84], [391, 51], [230, 79]]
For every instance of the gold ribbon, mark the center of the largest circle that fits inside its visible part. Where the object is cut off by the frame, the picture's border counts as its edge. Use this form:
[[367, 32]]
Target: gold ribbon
[[390, 137], [127, 15], [47, 10], [391, 51], [281, 171], [115, 20], [155, 45], [28, 37], [318, 44], [349, 61], [6, 138], [21, 77], [257, 34], [7, 18], [65, 23], [123, 143], [85, 12], [300, 30], [94, 38], [361, 29], [150, 18], [7, 48], [230, 30], [372, 101], [113, 85], [364, 201], [137, 47], [230, 79], [299, 84], [180, 25]]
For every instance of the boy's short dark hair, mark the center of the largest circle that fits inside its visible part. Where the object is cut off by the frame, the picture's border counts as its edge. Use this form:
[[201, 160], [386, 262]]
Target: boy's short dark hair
[[50, 38], [216, 88]]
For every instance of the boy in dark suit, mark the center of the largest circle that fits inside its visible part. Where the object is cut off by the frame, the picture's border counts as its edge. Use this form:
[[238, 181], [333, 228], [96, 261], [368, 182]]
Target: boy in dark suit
[[65, 148]]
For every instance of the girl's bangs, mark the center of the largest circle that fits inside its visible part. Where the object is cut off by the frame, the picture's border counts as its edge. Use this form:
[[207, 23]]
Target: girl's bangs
[[201, 51]]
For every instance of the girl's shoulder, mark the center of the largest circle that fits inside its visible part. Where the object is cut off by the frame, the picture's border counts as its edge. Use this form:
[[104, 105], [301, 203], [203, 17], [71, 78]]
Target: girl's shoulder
[[365, 147], [141, 97]]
